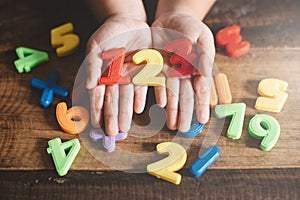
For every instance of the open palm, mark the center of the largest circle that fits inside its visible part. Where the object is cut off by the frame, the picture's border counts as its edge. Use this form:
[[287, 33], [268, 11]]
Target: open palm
[[115, 102], [180, 95]]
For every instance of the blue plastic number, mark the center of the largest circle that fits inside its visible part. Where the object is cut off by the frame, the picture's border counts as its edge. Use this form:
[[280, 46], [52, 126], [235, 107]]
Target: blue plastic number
[[50, 88], [205, 161]]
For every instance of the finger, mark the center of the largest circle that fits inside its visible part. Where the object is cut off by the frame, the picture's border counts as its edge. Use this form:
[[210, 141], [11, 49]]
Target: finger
[[202, 95], [173, 85], [186, 102], [160, 96], [140, 94], [206, 51], [111, 102], [96, 104], [93, 64], [125, 106]]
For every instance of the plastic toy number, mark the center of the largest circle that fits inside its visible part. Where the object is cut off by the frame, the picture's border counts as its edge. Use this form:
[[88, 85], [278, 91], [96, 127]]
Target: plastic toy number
[[29, 58], [231, 38], [223, 89], [74, 120], [182, 49], [202, 163], [237, 112], [273, 95], [58, 150], [195, 130], [109, 142], [64, 38], [148, 75], [49, 88], [213, 95], [166, 167], [114, 70], [264, 127]]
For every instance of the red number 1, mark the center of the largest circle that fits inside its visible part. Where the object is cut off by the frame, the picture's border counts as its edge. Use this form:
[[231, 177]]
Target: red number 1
[[117, 56]]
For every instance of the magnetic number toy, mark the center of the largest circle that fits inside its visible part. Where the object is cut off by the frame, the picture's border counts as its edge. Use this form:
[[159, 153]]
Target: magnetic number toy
[[166, 167]]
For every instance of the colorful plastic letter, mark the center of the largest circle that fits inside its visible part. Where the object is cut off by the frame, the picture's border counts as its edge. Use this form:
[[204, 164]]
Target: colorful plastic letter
[[223, 89], [58, 150], [273, 95], [231, 38], [64, 39], [166, 167], [29, 58], [202, 163], [237, 112], [265, 127], [109, 142], [195, 130], [115, 69], [182, 49], [213, 95], [148, 75], [50, 88], [74, 120]]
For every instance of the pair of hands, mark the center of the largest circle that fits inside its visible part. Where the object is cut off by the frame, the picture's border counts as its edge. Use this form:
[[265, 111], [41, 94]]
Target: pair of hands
[[118, 102]]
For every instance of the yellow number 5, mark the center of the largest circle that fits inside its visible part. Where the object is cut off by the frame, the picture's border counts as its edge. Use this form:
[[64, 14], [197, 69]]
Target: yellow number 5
[[64, 38], [272, 94]]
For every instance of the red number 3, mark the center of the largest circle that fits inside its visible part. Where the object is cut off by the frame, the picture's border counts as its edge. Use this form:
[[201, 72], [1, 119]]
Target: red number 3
[[230, 38], [182, 49]]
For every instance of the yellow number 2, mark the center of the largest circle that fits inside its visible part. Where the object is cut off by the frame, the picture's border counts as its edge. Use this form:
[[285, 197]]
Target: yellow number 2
[[64, 39], [148, 75], [272, 94], [166, 167]]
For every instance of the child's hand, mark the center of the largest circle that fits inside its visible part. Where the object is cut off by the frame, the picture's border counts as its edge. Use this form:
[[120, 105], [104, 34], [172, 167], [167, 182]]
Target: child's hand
[[115, 102], [179, 93]]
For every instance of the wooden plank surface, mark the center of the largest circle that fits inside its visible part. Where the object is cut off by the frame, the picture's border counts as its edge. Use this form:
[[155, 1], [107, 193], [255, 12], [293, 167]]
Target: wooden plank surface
[[25, 127], [27, 171], [215, 184]]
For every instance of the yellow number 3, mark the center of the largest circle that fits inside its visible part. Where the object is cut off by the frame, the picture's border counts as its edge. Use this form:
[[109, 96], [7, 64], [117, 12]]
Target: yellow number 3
[[148, 75], [166, 167], [272, 94], [64, 38]]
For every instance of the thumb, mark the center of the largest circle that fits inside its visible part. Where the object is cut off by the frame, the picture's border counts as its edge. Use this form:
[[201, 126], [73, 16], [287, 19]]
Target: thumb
[[93, 63], [206, 51]]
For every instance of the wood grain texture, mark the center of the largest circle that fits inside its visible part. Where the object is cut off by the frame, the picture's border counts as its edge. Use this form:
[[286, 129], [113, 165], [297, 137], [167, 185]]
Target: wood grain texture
[[25, 127], [27, 171], [214, 184], [266, 24]]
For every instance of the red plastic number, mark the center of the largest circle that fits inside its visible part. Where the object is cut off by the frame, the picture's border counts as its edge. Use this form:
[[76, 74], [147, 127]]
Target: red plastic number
[[230, 38], [182, 49], [114, 76]]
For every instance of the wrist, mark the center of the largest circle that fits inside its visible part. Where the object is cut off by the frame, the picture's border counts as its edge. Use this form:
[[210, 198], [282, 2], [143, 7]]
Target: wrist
[[126, 16], [177, 13], [194, 8], [104, 9]]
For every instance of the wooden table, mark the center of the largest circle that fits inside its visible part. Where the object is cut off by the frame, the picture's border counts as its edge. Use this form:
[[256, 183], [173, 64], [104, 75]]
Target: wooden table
[[243, 171]]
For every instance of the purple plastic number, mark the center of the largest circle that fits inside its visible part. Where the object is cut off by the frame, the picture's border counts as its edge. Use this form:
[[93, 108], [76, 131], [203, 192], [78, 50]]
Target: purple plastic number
[[109, 142]]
